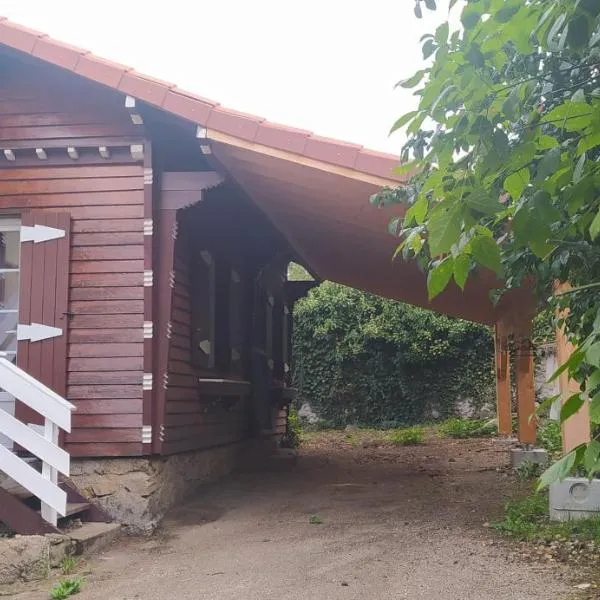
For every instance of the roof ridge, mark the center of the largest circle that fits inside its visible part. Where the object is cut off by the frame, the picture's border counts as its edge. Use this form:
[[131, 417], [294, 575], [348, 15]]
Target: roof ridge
[[190, 106]]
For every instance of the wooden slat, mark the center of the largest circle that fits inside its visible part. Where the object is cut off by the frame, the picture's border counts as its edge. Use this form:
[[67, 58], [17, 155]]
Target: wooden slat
[[106, 321], [75, 392], [106, 336], [99, 350], [104, 449], [125, 434], [107, 266], [113, 406], [107, 293], [107, 307], [107, 280], [74, 172], [102, 212], [108, 253], [107, 239], [107, 226], [105, 378], [53, 186], [106, 364], [101, 421]]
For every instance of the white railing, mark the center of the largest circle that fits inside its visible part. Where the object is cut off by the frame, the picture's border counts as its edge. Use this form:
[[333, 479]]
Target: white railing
[[57, 414]]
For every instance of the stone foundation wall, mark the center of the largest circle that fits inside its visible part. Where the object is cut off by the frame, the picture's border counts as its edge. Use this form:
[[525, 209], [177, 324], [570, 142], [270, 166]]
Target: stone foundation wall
[[137, 492]]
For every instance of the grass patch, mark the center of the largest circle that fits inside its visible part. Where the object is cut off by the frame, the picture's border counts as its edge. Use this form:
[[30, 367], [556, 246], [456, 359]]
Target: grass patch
[[466, 428], [65, 588], [315, 520], [69, 564], [410, 436], [528, 519]]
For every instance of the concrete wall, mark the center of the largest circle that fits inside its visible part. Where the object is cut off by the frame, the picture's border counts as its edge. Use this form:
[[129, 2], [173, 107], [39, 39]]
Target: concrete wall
[[137, 492]]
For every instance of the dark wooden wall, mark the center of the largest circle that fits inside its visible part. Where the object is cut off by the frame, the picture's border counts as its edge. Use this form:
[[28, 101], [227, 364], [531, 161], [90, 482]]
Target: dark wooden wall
[[104, 201]]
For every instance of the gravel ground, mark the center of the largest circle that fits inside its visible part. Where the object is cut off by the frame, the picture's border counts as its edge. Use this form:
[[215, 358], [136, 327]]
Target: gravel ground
[[397, 523]]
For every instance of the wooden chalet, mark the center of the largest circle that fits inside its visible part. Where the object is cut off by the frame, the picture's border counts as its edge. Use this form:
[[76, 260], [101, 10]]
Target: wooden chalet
[[145, 234]]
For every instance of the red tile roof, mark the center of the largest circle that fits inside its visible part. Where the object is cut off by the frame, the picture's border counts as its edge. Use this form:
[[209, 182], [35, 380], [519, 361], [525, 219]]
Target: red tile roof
[[199, 110]]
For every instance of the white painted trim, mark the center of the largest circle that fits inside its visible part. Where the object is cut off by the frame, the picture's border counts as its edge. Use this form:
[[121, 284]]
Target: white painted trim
[[148, 330], [136, 119], [25, 436], [9, 154], [129, 102], [137, 151], [148, 176], [205, 149], [72, 152], [37, 332], [33, 481], [146, 434], [41, 154], [40, 233], [35, 394], [104, 151], [147, 381], [148, 226], [148, 278], [201, 132]]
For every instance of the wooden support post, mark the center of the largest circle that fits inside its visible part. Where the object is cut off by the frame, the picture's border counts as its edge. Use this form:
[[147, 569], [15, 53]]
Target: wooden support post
[[576, 429], [524, 368], [503, 391]]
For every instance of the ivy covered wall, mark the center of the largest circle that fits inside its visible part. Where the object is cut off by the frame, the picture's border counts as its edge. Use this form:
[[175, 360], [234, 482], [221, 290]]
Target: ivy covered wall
[[363, 360]]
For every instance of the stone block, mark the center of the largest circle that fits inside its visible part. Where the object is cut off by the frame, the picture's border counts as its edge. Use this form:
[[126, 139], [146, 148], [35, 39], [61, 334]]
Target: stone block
[[519, 456], [24, 558], [574, 498]]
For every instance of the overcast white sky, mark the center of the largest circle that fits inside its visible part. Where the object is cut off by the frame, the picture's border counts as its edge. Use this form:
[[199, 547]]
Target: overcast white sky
[[325, 65]]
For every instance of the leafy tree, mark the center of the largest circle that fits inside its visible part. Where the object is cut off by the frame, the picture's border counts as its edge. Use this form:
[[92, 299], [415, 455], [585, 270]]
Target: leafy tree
[[504, 152]]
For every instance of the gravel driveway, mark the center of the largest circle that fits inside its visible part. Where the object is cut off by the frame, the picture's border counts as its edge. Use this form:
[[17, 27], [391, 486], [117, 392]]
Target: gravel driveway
[[397, 523]]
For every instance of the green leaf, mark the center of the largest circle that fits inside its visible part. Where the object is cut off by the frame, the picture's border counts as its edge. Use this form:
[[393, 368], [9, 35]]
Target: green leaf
[[410, 82], [578, 172], [587, 142], [444, 228], [403, 120], [462, 264], [595, 226], [572, 116], [430, 4], [592, 355], [549, 163], [571, 406], [559, 470], [441, 34], [418, 11], [547, 142], [419, 210], [429, 47], [393, 226], [470, 16], [438, 277], [516, 183], [591, 456], [505, 14], [485, 251], [572, 363], [483, 202], [595, 408]]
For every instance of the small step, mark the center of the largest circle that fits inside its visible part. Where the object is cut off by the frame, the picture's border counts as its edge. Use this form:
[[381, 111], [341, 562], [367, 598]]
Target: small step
[[74, 508], [93, 537]]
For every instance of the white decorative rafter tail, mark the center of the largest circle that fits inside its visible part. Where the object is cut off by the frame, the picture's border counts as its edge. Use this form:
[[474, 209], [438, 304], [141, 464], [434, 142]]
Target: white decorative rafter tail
[[148, 226], [148, 330], [148, 278], [147, 381]]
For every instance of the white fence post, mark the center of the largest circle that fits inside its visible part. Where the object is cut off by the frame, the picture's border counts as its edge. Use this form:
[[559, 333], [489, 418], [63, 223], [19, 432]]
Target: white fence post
[[49, 472]]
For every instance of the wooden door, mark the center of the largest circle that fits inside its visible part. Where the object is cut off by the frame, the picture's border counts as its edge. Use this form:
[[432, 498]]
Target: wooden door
[[43, 302]]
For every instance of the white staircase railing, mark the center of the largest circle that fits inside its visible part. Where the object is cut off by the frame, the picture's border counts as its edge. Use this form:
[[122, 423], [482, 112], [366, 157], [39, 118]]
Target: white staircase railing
[[57, 414]]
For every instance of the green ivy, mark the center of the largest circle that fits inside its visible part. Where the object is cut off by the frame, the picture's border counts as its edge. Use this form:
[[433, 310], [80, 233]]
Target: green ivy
[[361, 359]]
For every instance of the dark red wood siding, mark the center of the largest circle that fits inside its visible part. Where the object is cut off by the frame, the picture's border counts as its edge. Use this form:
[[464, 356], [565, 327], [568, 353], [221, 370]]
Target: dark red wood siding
[[104, 202]]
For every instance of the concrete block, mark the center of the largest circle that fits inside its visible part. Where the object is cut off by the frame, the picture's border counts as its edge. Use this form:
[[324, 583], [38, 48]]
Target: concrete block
[[93, 537], [519, 456], [574, 498]]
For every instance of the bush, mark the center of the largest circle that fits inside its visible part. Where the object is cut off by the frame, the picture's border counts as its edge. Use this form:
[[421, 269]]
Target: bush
[[549, 437], [407, 437], [363, 360], [466, 428], [293, 433]]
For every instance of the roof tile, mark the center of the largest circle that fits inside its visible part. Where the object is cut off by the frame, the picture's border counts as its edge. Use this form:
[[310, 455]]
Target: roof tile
[[282, 137], [19, 37], [103, 71], [376, 163], [188, 106], [331, 151], [144, 88], [234, 123], [62, 55]]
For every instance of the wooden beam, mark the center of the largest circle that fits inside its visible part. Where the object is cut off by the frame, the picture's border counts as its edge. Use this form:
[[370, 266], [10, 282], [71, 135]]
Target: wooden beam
[[503, 390], [524, 368], [304, 161], [576, 429]]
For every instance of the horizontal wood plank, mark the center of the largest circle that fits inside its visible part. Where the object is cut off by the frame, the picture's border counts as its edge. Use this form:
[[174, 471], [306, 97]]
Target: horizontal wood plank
[[106, 321], [107, 293], [106, 336], [100, 350], [107, 280], [106, 364], [111, 406], [107, 253], [75, 392], [107, 239], [104, 449], [107, 307], [107, 225], [118, 421], [74, 172], [104, 377], [53, 186]]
